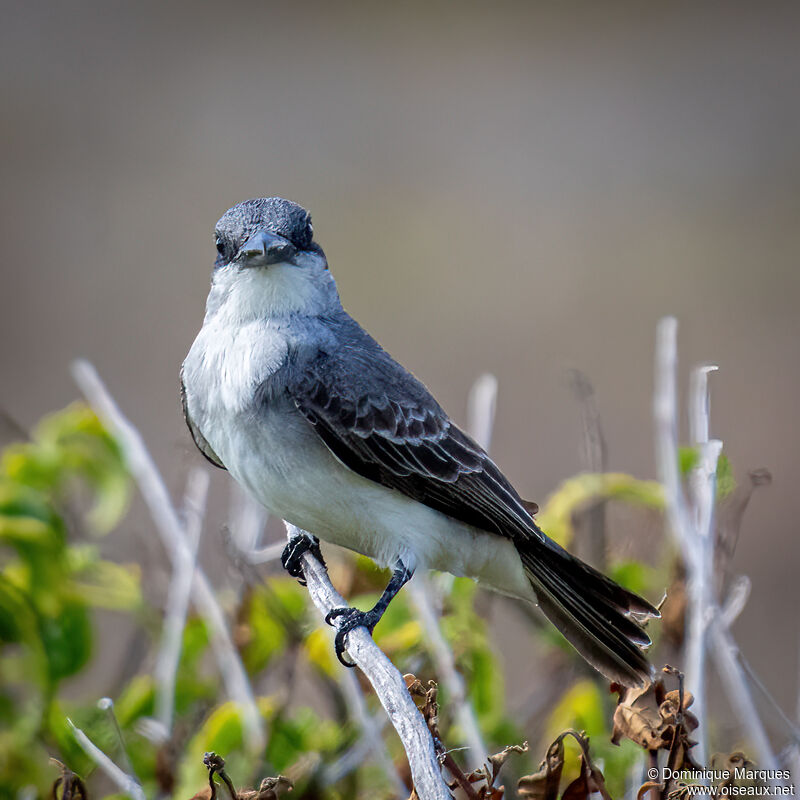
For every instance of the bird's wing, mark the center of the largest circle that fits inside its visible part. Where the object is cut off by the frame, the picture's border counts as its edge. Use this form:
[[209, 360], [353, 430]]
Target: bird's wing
[[382, 423], [202, 445]]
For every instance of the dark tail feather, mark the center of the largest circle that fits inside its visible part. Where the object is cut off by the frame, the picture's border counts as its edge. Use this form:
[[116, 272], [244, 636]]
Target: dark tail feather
[[595, 615]]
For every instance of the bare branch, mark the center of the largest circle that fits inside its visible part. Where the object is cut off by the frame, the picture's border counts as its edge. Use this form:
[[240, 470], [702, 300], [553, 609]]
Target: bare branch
[[387, 682], [107, 704], [726, 656], [594, 458], [702, 484], [124, 782], [178, 600], [665, 412], [694, 531], [248, 518], [481, 406], [173, 537], [266, 554]]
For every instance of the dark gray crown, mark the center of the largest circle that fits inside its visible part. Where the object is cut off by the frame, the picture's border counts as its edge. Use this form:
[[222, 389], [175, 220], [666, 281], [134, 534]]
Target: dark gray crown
[[274, 214]]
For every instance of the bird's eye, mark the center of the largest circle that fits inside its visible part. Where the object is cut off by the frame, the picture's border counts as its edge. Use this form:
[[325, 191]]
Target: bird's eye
[[220, 246]]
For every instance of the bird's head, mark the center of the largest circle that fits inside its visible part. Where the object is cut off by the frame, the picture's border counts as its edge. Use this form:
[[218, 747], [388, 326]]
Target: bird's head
[[268, 263]]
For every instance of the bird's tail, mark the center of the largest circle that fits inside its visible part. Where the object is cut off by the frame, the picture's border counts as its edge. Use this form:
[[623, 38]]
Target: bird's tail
[[599, 618]]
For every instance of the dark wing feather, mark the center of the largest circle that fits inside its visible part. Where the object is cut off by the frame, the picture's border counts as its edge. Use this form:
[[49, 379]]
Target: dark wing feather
[[382, 423], [202, 445]]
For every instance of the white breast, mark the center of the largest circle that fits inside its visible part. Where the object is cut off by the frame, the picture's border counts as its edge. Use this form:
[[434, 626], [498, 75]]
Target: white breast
[[271, 450]]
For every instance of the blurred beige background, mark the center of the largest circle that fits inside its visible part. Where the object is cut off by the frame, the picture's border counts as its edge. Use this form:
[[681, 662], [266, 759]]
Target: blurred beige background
[[518, 189]]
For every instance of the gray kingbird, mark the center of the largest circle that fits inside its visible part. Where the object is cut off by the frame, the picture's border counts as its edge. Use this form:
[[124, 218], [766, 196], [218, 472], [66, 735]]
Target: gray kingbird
[[313, 418]]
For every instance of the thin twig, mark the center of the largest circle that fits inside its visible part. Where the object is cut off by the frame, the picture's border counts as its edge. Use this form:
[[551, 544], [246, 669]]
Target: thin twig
[[248, 518], [126, 783], [665, 412], [266, 554], [726, 656], [387, 682], [107, 704], [594, 458], [737, 598], [702, 484], [172, 534], [693, 530], [683, 522], [178, 600], [481, 407], [792, 728]]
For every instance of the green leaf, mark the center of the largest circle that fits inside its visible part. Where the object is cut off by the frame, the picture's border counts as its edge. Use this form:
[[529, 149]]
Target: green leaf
[[73, 444], [15, 613], [634, 576], [222, 731], [555, 517], [318, 647], [580, 707], [67, 640], [486, 684], [266, 636], [136, 700], [688, 458], [726, 483], [292, 738], [105, 584]]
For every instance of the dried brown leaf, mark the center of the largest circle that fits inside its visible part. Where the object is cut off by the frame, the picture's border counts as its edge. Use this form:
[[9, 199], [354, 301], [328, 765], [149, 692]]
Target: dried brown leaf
[[272, 788], [543, 785], [578, 789], [733, 762], [656, 720], [655, 786], [637, 718], [72, 787], [498, 759]]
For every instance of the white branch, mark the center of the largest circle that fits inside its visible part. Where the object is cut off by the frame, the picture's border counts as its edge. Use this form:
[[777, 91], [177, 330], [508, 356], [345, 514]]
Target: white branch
[[126, 783], [248, 518], [481, 406], [665, 411], [180, 589], [694, 530], [737, 598], [702, 484], [173, 537], [726, 656], [266, 554], [387, 682]]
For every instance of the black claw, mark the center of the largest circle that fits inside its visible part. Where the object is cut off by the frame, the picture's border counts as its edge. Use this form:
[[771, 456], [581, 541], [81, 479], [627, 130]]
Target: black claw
[[292, 555], [353, 618]]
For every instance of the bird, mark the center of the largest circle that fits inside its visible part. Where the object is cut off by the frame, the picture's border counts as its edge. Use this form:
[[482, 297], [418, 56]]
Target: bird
[[288, 393]]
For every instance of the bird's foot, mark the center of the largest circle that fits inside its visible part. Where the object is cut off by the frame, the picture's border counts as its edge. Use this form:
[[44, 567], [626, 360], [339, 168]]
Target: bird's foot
[[292, 555], [351, 618]]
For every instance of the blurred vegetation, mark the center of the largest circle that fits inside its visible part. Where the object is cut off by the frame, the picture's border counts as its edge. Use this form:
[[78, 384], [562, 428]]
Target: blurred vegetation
[[68, 485]]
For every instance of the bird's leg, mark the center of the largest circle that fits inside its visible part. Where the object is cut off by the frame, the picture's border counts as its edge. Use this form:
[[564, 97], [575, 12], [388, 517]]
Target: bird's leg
[[353, 618], [291, 557]]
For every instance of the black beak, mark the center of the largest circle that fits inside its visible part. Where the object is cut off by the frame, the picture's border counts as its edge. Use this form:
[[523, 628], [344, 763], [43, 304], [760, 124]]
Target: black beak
[[264, 248]]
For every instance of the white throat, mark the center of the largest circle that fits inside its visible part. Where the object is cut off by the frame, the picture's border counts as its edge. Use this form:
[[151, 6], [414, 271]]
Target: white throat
[[239, 296]]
